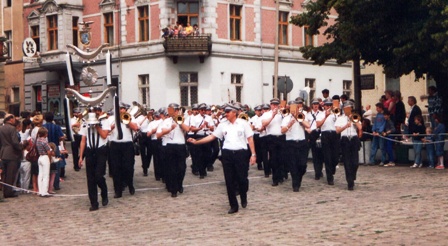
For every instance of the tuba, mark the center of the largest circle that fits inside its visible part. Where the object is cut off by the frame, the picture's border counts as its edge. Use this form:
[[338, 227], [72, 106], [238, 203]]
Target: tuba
[[355, 118], [136, 110]]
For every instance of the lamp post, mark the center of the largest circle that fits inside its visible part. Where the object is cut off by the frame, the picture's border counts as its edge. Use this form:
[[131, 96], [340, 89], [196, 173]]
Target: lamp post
[[277, 7]]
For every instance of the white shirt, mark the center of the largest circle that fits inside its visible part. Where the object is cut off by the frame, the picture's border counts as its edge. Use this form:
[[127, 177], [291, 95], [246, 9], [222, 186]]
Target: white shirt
[[84, 131], [191, 121], [368, 115], [144, 124], [151, 126], [309, 117], [349, 131], [25, 135], [328, 124], [235, 135], [127, 134], [200, 120], [34, 133], [176, 136], [258, 125], [274, 127], [253, 121], [296, 132]]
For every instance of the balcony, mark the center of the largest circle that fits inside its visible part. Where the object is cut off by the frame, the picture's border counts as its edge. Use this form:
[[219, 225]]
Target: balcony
[[200, 46]]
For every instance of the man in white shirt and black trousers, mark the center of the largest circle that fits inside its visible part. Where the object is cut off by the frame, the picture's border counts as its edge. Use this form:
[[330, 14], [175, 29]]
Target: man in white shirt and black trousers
[[122, 153], [173, 149], [94, 145], [237, 135]]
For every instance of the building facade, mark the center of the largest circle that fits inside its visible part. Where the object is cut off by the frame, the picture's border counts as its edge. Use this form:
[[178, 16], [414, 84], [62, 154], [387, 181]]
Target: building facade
[[232, 60]]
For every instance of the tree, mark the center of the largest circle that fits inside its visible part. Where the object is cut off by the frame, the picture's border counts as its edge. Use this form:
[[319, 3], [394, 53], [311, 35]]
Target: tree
[[402, 36]]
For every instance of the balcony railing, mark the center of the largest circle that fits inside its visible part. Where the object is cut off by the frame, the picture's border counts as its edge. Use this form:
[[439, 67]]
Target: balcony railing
[[188, 46]]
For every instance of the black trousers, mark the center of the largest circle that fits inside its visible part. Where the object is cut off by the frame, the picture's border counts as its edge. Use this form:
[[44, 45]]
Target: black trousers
[[122, 163], [274, 145], [235, 165], [296, 159], [145, 152], [257, 144], [95, 170], [200, 155], [317, 159], [350, 148], [214, 146], [75, 150], [330, 149], [158, 167], [175, 155], [9, 176], [264, 154]]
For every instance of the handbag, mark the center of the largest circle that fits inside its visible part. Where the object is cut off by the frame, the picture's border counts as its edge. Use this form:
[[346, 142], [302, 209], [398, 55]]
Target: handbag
[[32, 155]]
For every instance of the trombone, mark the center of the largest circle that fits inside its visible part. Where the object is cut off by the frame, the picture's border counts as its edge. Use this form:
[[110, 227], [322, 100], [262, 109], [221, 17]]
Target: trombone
[[125, 118], [355, 118], [285, 112], [243, 116]]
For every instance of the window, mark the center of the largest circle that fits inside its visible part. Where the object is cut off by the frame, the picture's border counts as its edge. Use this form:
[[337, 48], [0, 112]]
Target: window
[[143, 88], [308, 38], [283, 28], [75, 30], [235, 22], [8, 3], [392, 84], [37, 98], [188, 88], [347, 88], [8, 35], [237, 81], [188, 12], [109, 28], [35, 36], [15, 94], [52, 32], [311, 83], [143, 21]]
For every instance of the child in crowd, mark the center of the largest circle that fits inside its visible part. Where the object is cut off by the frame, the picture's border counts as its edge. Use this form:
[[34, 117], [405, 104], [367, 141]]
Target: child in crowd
[[44, 161], [429, 145], [439, 139], [53, 168]]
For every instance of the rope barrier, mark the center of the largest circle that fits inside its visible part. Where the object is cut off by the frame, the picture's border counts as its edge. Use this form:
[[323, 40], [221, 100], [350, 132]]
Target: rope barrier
[[407, 142]]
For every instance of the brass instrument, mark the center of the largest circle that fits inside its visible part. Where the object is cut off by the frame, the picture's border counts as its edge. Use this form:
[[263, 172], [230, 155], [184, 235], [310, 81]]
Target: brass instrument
[[125, 118], [179, 119], [214, 109], [285, 112], [300, 117], [79, 120], [243, 116], [336, 108], [102, 116], [355, 118], [136, 110]]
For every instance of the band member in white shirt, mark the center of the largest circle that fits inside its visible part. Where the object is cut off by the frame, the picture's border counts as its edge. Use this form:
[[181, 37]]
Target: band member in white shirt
[[76, 121], [272, 121], [350, 128], [94, 145], [191, 122], [156, 143], [296, 145], [313, 116], [253, 122], [330, 141], [237, 136], [263, 141], [122, 153], [173, 149], [145, 141]]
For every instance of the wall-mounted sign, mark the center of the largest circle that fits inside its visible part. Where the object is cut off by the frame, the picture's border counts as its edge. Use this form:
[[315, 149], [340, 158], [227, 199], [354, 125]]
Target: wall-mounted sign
[[368, 82], [53, 91], [29, 47]]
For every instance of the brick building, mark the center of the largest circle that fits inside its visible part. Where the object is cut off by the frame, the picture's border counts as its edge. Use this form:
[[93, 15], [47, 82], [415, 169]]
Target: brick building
[[233, 60]]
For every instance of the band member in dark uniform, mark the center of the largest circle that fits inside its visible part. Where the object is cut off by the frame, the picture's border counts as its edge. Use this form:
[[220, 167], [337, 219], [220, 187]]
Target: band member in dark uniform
[[296, 146], [173, 149], [237, 135], [253, 122], [155, 143], [315, 115], [144, 140], [94, 145], [350, 128], [122, 152]]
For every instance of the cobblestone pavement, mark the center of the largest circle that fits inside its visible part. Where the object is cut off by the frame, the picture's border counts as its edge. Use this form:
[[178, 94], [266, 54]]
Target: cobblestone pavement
[[390, 206]]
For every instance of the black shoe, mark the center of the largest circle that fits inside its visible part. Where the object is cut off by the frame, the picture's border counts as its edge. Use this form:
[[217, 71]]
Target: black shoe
[[77, 169], [57, 188], [318, 176], [210, 169], [260, 168], [117, 195], [93, 208], [351, 187], [275, 184], [131, 190], [145, 172], [295, 189], [232, 210], [330, 182], [105, 201], [157, 179], [202, 177], [196, 173], [181, 190], [266, 175], [174, 194], [244, 203]]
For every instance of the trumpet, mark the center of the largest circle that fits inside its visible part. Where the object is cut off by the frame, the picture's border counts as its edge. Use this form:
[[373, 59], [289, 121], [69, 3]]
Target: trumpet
[[285, 112], [125, 118], [179, 119], [336, 111], [79, 120], [243, 116], [355, 118], [214, 109], [300, 117]]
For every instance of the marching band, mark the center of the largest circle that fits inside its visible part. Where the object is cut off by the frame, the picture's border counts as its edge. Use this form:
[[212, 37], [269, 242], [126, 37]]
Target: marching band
[[277, 138]]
